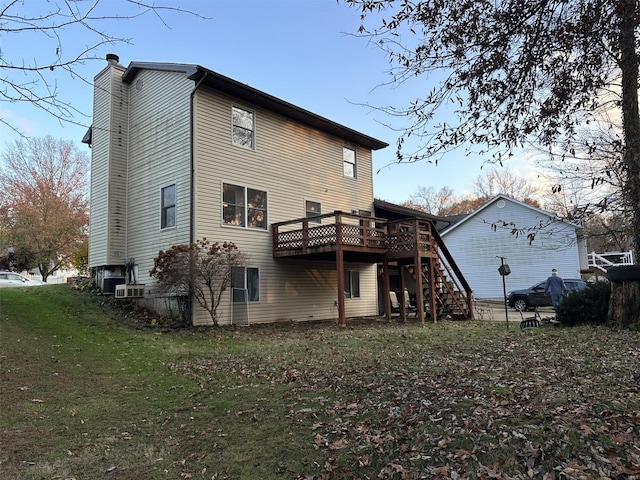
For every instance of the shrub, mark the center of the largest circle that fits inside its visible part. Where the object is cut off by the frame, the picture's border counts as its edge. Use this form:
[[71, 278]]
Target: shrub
[[200, 270], [585, 307]]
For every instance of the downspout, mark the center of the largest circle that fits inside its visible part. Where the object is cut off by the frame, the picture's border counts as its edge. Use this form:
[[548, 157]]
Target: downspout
[[192, 196], [192, 148]]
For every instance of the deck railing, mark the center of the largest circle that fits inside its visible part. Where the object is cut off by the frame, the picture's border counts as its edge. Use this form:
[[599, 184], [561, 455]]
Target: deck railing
[[602, 261], [342, 229]]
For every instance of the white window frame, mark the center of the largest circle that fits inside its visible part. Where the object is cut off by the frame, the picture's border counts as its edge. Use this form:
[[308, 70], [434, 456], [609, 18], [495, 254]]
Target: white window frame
[[310, 213], [352, 284], [252, 130], [245, 283], [246, 208], [164, 208], [352, 171]]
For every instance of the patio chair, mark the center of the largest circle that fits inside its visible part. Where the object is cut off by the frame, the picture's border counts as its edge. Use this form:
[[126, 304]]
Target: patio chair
[[395, 304]]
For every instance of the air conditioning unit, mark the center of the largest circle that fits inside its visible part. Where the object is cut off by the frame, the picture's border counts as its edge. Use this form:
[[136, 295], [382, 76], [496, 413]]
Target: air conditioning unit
[[129, 291]]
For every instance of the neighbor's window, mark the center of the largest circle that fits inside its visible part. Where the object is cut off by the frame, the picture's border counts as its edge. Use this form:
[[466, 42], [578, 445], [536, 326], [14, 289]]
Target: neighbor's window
[[245, 283], [168, 207], [313, 209], [349, 162], [242, 127], [351, 284], [244, 207]]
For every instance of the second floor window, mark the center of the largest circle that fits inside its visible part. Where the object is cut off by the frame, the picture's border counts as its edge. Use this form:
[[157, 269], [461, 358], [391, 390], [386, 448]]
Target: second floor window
[[349, 162], [244, 207], [313, 209], [168, 207], [243, 127]]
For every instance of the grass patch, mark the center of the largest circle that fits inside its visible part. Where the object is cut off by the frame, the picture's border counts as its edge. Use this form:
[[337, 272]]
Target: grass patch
[[89, 392]]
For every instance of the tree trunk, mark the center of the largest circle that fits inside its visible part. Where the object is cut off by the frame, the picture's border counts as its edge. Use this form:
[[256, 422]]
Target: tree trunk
[[625, 295], [624, 307]]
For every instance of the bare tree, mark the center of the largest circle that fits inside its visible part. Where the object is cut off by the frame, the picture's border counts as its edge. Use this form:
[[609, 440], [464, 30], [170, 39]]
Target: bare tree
[[201, 270], [495, 181], [516, 72], [32, 77], [503, 181], [43, 209], [427, 199]]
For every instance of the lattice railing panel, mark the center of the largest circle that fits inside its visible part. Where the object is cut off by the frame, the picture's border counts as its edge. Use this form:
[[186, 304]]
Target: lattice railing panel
[[352, 235], [289, 240], [324, 235], [400, 242]]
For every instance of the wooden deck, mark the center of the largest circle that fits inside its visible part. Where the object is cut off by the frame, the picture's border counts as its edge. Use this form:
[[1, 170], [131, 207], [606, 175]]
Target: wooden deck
[[412, 244], [328, 233], [340, 231]]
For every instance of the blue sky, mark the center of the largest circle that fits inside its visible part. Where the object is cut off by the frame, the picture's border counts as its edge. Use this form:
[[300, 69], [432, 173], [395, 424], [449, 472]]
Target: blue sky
[[302, 51]]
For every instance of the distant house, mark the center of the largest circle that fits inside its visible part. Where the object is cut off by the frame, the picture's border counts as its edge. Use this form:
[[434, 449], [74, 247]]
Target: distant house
[[181, 153], [531, 241]]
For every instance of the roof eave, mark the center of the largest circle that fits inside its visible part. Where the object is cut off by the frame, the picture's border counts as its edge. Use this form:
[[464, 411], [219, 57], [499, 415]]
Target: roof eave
[[232, 87]]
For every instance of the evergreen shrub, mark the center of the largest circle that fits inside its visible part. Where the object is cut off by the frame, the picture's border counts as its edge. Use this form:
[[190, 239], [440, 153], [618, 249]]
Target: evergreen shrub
[[588, 306]]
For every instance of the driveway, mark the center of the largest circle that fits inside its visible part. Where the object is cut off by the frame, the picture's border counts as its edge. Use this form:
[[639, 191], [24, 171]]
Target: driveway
[[490, 310]]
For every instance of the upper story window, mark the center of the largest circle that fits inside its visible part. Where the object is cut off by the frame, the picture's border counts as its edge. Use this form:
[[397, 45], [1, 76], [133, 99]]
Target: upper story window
[[243, 127], [312, 209], [349, 162], [244, 207], [168, 207]]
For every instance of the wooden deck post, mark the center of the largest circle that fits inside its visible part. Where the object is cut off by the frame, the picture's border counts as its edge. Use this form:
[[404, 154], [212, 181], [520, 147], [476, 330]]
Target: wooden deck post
[[403, 304], [340, 271], [386, 285], [417, 266]]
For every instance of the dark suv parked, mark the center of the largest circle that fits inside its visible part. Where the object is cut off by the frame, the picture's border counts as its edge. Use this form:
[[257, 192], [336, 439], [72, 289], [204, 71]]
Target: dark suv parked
[[534, 296]]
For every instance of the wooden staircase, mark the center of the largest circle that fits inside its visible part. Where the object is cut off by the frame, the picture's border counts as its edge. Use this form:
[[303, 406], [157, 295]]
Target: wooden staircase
[[451, 299], [416, 245]]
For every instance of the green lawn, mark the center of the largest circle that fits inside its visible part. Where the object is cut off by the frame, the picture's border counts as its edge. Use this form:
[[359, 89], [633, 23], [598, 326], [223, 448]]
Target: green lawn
[[88, 392]]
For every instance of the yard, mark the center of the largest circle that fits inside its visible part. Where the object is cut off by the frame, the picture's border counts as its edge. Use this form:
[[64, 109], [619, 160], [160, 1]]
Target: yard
[[89, 392]]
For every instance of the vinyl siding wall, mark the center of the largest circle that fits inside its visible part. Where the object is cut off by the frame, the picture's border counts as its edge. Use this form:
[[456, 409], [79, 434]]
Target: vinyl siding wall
[[108, 169], [159, 156], [475, 246], [292, 163]]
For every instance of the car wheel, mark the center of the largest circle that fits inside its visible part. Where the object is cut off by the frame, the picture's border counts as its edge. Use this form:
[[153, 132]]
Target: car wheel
[[520, 304]]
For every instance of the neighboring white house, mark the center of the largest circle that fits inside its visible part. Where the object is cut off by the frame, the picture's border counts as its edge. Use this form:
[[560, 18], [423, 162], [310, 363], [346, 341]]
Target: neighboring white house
[[531, 241]]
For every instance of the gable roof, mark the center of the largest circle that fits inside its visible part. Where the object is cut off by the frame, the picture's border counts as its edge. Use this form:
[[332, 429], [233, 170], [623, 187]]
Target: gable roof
[[496, 199], [211, 79]]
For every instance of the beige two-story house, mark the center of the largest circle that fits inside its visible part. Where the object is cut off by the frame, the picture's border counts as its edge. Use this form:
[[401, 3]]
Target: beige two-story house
[[181, 153]]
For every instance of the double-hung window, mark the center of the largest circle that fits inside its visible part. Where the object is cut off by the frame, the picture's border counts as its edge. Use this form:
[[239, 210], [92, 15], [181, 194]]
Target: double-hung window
[[243, 127], [245, 284], [351, 284], [312, 209], [168, 207], [244, 207], [349, 162]]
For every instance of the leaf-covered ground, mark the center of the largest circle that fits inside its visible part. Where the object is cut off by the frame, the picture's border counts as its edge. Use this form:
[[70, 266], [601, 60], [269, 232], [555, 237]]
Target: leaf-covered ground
[[450, 402], [90, 392]]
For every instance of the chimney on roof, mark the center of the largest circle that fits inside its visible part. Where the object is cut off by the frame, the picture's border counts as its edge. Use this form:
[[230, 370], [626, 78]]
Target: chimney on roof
[[112, 58]]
